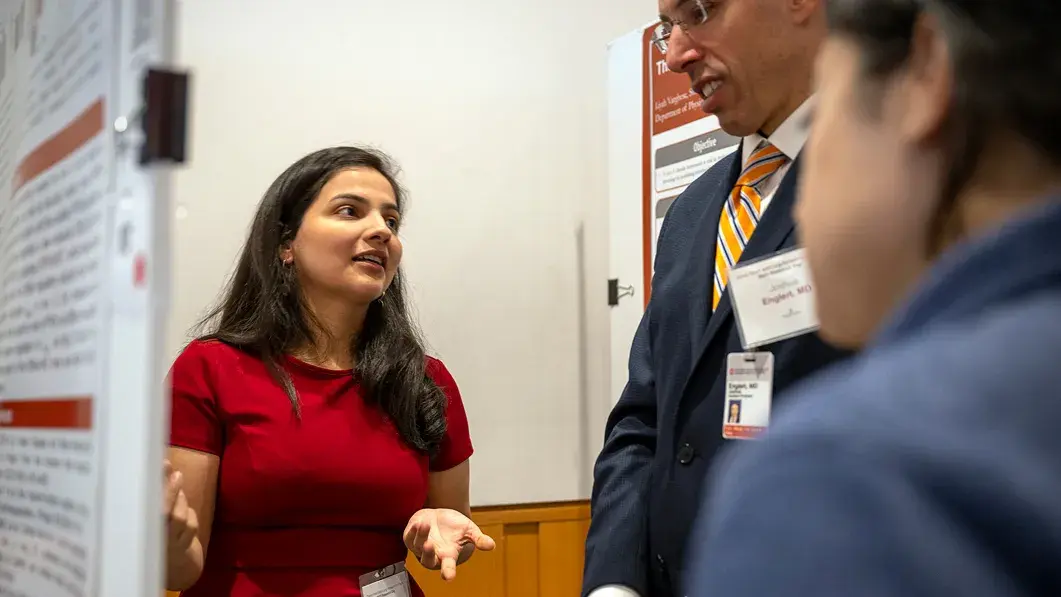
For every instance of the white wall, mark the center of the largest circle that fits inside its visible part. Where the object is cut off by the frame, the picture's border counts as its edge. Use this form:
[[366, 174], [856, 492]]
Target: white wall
[[497, 112]]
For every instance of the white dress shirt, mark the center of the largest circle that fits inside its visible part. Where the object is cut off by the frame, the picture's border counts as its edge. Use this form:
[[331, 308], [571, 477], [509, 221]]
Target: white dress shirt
[[614, 591], [789, 139]]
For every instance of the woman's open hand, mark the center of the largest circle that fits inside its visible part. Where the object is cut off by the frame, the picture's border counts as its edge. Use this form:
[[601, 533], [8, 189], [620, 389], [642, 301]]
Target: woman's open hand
[[441, 539]]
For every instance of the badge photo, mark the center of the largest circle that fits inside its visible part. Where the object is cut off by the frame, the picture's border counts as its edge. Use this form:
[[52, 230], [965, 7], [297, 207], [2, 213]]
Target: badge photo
[[749, 394]]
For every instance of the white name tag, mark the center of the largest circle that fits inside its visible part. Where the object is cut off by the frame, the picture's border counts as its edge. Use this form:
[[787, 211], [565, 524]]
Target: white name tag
[[773, 298], [749, 394], [392, 581]]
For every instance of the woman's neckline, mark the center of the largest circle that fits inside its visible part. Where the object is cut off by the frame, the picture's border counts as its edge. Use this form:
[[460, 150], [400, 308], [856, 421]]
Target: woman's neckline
[[315, 369]]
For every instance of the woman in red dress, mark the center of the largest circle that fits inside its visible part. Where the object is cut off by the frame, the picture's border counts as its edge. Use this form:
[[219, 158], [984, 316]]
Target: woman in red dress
[[312, 440]]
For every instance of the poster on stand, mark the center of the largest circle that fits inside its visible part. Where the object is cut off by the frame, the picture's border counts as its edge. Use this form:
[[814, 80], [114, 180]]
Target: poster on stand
[[82, 271], [680, 143]]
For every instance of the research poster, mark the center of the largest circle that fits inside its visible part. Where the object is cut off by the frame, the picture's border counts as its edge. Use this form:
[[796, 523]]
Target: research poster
[[61, 449], [680, 142]]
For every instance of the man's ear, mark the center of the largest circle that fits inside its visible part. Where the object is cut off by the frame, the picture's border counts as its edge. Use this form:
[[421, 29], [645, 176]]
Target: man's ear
[[803, 11], [925, 92]]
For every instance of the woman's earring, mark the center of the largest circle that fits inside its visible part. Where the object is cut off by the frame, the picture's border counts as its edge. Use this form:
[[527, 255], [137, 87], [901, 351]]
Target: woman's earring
[[287, 281]]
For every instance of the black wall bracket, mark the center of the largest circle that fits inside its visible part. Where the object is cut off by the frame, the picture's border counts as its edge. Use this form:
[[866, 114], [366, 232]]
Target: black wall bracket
[[164, 117]]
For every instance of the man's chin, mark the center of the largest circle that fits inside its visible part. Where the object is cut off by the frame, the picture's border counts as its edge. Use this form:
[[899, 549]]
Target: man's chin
[[733, 125]]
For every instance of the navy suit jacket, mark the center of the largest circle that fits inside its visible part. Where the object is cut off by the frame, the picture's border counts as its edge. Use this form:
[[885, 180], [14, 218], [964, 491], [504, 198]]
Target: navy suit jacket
[[666, 428]]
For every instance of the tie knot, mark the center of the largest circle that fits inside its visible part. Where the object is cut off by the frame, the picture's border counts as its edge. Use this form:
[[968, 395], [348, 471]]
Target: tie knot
[[764, 161]]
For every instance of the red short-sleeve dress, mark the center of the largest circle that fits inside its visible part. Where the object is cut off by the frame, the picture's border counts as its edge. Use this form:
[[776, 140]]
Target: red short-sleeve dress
[[303, 507]]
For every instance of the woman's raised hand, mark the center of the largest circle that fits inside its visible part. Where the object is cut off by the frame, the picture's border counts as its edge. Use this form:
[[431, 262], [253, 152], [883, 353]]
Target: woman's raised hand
[[182, 525]]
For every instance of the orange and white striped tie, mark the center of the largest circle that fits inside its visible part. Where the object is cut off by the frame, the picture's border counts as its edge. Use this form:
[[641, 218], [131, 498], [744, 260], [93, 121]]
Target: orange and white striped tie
[[741, 214]]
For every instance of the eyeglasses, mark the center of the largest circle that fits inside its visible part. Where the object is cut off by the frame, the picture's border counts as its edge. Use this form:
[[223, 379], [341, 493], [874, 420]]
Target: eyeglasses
[[691, 13]]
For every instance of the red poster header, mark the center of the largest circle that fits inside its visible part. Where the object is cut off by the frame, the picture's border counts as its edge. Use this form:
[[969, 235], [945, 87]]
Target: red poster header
[[673, 102], [47, 413]]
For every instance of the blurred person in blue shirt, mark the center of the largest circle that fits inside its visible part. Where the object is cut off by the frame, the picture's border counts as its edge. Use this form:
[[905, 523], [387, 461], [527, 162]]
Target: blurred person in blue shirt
[[930, 210]]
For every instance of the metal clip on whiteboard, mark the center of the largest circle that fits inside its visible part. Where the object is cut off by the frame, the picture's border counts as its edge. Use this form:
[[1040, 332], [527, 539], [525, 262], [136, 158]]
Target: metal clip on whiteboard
[[164, 117], [616, 292]]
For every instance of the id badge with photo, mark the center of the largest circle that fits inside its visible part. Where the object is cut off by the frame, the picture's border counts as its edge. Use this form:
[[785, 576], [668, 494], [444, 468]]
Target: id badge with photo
[[749, 393], [392, 581], [773, 298]]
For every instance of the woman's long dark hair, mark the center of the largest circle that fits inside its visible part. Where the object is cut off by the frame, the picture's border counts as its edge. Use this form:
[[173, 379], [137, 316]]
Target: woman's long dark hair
[[263, 311]]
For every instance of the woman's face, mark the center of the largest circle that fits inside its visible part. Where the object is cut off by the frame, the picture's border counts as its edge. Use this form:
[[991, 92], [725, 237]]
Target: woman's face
[[868, 188], [347, 246]]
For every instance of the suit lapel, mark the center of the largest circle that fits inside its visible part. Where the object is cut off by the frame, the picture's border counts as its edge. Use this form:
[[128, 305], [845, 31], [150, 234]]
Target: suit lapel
[[702, 255], [773, 229]]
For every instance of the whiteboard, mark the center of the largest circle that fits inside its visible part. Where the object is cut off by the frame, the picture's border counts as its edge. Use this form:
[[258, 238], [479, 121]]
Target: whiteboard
[[659, 141], [83, 271], [625, 182]]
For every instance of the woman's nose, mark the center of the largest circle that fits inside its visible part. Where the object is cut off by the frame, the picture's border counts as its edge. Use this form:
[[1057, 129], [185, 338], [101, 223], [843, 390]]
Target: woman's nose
[[379, 227]]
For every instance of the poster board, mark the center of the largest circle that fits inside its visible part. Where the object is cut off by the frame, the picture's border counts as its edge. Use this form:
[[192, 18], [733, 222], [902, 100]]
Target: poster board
[[83, 270], [681, 142], [659, 141]]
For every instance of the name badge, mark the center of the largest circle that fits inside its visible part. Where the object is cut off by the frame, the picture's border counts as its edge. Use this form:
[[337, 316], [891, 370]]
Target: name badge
[[749, 393], [773, 298], [392, 581]]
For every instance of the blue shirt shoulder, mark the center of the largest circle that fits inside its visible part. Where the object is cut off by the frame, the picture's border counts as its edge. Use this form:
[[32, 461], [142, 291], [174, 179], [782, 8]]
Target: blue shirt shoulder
[[929, 466]]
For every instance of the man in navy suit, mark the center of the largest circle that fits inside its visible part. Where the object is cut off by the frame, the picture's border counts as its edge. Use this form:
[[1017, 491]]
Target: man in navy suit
[[751, 61]]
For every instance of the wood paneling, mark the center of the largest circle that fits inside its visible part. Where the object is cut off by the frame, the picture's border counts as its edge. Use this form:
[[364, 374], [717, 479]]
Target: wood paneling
[[539, 553], [540, 550], [561, 555]]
